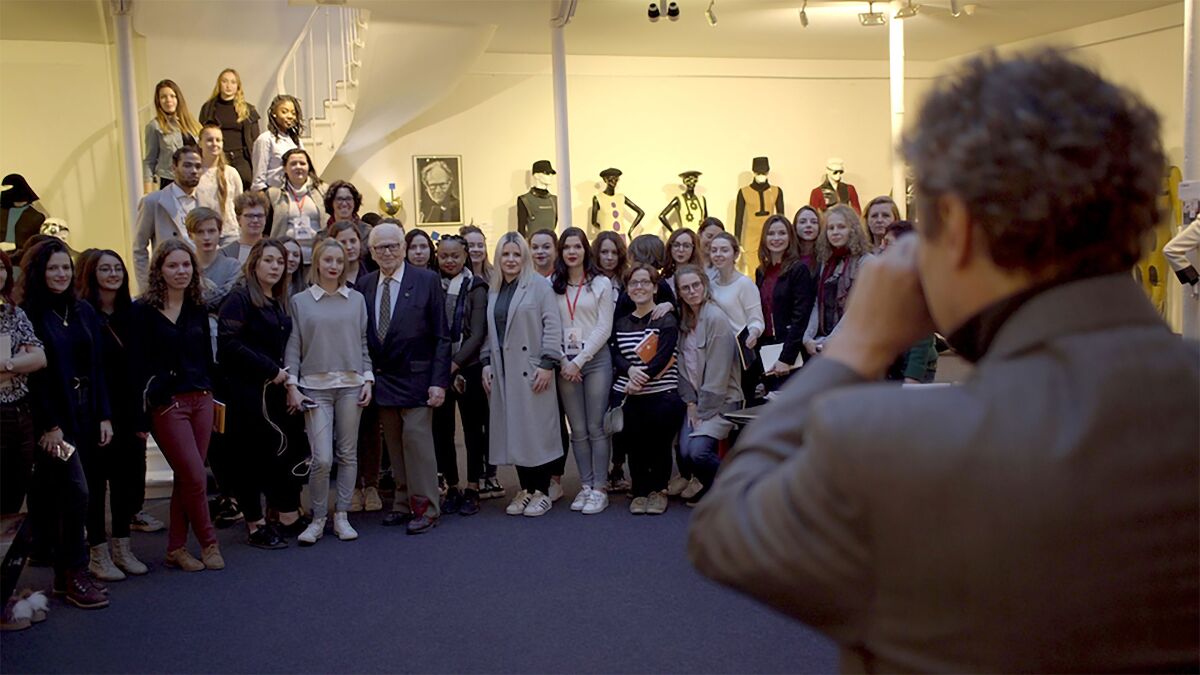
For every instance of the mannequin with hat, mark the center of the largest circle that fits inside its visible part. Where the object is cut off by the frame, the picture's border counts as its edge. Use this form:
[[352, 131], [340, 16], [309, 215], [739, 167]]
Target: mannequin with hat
[[690, 209], [609, 208], [18, 216], [755, 203], [538, 209], [833, 190]]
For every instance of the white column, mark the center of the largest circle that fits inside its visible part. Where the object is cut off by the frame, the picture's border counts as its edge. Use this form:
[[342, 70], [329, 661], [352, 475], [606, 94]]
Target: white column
[[562, 141], [896, 83], [1191, 137], [130, 139]]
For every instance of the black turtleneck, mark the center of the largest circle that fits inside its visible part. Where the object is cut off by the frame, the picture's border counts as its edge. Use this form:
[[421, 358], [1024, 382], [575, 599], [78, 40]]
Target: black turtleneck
[[973, 339]]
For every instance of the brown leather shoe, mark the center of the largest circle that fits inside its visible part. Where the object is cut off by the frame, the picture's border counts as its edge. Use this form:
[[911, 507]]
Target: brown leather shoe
[[82, 593], [211, 555], [181, 559]]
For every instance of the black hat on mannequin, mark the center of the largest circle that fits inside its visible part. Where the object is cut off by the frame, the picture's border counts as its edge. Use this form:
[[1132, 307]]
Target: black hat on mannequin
[[761, 165], [690, 174], [543, 166], [610, 172], [16, 190]]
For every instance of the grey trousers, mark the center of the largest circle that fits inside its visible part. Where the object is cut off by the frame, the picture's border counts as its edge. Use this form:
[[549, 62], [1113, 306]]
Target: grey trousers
[[585, 404], [408, 434], [332, 426]]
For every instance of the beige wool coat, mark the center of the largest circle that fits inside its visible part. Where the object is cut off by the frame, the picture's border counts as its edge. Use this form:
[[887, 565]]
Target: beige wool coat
[[524, 425]]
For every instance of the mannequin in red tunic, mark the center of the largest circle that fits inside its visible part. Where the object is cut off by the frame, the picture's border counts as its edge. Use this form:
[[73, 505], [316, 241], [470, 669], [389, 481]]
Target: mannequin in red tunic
[[833, 190]]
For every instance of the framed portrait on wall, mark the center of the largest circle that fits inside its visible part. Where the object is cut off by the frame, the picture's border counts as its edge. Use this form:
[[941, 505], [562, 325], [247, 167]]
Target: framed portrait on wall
[[438, 186]]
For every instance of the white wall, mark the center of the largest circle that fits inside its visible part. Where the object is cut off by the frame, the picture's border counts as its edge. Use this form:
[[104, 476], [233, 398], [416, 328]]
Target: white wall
[[652, 118]]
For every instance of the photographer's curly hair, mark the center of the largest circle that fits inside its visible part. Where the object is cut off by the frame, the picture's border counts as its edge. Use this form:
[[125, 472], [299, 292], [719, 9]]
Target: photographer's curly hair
[[155, 294], [1059, 169]]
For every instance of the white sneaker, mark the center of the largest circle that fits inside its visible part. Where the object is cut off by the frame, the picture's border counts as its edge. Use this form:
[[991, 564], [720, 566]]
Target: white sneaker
[[517, 506], [341, 527], [692, 489], [314, 531], [539, 504], [677, 485], [597, 501], [581, 498], [556, 491]]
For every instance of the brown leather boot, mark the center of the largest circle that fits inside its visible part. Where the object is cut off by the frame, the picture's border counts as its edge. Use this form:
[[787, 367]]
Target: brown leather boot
[[82, 593]]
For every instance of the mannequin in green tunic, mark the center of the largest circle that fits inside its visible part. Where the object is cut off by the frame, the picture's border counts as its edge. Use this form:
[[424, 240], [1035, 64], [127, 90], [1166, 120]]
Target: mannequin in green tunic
[[609, 208], [538, 209], [690, 209]]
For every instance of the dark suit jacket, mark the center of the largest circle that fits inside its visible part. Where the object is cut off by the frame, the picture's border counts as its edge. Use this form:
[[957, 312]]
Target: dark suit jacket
[[415, 354], [1041, 516], [28, 224], [791, 307]]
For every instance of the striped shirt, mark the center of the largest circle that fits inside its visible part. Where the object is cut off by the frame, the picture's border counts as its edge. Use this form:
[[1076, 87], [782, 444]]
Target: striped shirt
[[628, 332]]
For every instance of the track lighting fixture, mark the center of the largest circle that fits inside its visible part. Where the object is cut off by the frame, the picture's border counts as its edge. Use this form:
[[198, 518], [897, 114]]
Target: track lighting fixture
[[804, 15], [673, 11], [871, 17], [653, 12], [709, 15], [908, 11], [955, 8]]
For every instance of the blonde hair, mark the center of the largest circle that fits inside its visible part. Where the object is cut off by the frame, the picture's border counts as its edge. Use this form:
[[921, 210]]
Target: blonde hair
[[526, 260], [239, 98], [222, 186], [857, 244], [314, 272]]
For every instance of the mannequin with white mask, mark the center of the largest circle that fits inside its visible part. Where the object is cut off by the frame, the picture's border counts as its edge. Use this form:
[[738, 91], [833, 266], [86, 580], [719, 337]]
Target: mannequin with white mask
[[538, 209], [755, 203], [834, 190]]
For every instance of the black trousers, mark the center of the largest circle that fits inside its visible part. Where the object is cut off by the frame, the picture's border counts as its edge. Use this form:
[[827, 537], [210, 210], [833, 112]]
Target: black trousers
[[58, 503], [559, 466], [121, 466], [259, 467], [242, 165], [651, 422], [472, 406], [17, 448], [536, 478]]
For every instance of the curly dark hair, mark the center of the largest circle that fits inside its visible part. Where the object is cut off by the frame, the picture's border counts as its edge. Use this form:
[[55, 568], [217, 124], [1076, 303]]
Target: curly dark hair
[[32, 292], [155, 294], [88, 287], [1059, 169], [295, 132], [7, 286], [331, 191]]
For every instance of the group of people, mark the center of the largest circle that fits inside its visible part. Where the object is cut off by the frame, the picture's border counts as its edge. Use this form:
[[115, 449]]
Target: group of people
[[295, 337]]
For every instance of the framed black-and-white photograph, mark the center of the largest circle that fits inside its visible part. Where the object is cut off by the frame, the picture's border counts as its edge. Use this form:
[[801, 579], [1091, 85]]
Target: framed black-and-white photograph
[[438, 186]]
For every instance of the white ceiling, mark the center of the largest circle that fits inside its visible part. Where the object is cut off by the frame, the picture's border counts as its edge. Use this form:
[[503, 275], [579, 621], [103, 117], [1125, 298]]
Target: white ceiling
[[757, 28]]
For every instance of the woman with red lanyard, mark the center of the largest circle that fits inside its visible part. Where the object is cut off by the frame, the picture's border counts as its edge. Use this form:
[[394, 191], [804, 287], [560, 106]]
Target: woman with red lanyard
[[299, 205], [585, 305]]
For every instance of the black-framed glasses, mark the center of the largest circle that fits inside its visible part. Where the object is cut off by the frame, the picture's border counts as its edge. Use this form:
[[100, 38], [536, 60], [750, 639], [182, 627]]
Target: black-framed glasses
[[386, 248]]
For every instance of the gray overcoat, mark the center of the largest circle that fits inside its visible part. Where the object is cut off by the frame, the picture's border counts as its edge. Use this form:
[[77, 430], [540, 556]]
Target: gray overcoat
[[523, 426]]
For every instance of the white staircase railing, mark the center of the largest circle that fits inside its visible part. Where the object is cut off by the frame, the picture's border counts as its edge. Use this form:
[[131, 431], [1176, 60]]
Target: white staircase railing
[[321, 70]]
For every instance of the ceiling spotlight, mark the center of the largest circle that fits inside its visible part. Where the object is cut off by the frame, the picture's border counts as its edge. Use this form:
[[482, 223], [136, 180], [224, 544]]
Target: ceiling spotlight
[[653, 12], [908, 11], [673, 11], [709, 15], [804, 15], [871, 17], [955, 8]]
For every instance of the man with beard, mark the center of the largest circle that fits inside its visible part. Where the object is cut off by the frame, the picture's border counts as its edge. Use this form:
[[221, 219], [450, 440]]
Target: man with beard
[[160, 214]]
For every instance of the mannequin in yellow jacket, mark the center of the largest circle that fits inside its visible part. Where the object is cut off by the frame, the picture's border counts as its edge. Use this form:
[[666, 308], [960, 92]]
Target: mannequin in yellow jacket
[[755, 203]]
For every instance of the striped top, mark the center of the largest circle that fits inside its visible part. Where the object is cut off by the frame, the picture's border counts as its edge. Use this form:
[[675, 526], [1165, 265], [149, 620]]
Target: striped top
[[628, 332]]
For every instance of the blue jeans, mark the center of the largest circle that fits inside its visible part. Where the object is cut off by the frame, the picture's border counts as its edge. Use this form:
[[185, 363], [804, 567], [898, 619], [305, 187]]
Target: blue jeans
[[333, 424], [698, 455], [585, 404]]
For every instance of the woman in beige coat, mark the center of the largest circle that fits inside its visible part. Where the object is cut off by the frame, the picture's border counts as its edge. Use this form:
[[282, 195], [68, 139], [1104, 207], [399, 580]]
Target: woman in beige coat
[[524, 347]]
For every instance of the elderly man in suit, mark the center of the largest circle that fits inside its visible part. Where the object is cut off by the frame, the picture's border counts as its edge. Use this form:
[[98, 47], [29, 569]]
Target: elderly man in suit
[[1042, 515], [410, 354], [160, 214]]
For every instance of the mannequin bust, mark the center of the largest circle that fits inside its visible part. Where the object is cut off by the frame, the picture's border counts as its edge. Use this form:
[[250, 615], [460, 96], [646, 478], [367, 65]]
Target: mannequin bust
[[833, 190], [538, 208], [689, 208], [755, 203], [608, 208]]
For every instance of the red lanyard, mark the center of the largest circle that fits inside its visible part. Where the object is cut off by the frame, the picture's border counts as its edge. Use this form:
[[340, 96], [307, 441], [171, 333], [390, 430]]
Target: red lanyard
[[572, 305], [300, 206]]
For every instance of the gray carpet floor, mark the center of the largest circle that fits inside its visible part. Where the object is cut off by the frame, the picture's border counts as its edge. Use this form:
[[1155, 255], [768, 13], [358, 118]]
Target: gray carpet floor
[[490, 593]]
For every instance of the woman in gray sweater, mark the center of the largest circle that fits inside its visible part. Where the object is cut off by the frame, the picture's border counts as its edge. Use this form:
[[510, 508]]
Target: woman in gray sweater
[[330, 379], [710, 375]]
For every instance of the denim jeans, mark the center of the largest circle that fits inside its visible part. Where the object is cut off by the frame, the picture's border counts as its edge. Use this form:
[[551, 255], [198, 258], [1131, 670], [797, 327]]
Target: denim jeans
[[585, 404], [333, 424], [698, 455]]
